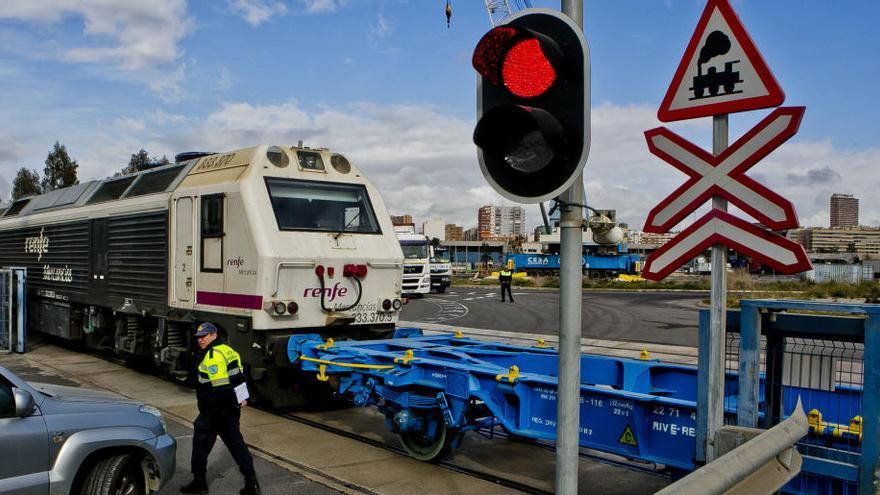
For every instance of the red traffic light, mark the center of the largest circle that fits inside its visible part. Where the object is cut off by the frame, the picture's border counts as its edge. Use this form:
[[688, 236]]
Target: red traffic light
[[518, 58], [533, 105]]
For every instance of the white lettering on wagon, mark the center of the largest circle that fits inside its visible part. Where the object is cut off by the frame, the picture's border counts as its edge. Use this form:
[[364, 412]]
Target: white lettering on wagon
[[673, 429]]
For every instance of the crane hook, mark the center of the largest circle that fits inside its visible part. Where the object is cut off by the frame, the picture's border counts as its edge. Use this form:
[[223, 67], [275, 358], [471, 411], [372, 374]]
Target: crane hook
[[448, 13]]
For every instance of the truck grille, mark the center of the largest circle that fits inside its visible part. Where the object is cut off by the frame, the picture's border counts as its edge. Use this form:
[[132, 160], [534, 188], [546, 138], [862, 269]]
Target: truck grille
[[412, 269]]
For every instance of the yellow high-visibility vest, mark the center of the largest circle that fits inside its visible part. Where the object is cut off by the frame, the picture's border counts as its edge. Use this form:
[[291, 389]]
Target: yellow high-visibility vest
[[220, 362]]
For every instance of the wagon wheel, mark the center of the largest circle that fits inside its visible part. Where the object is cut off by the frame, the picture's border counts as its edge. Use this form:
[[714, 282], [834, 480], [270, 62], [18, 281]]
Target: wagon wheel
[[422, 448]]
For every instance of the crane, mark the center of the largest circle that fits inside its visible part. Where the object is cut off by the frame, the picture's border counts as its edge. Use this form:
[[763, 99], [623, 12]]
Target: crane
[[499, 9]]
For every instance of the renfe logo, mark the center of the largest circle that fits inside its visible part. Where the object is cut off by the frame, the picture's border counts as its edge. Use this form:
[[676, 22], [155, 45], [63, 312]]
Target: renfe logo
[[37, 245], [331, 293]]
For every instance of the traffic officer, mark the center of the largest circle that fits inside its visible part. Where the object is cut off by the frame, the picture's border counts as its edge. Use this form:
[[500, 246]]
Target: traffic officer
[[505, 277], [219, 372]]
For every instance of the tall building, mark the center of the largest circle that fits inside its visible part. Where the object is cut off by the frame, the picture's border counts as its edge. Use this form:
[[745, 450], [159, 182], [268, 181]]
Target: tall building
[[401, 219], [434, 228], [844, 210], [498, 222], [454, 232]]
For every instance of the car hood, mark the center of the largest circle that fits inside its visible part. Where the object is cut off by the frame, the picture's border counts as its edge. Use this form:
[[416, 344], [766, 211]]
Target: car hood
[[74, 394]]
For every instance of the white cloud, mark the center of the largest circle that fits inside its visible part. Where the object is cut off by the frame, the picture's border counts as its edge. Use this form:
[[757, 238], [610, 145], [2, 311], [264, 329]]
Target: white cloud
[[10, 149], [129, 124], [169, 85], [138, 36], [162, 118], [424, 163], [381, 28], [224, 79], [255, 12], [321, 6]]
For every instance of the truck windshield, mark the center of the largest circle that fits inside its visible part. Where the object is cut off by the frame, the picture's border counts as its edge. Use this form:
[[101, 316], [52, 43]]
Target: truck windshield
[[414, 251], [321, 206], [440, 256]]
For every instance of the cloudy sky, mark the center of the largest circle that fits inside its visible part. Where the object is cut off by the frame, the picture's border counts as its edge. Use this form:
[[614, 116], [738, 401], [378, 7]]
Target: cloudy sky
[[388, 84]]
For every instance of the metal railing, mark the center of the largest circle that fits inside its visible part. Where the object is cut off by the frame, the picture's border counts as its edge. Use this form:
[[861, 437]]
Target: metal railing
[[827, 354], [760, 465]]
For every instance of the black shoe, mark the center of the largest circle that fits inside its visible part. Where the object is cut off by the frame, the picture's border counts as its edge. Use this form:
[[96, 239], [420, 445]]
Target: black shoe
[[251, 486], [195, 486]]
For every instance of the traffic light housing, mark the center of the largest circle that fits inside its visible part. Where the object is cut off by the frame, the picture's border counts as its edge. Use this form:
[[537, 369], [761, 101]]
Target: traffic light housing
[[533, 105]]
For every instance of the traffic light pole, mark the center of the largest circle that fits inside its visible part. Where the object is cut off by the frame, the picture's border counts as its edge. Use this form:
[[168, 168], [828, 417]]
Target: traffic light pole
[[570, 287]]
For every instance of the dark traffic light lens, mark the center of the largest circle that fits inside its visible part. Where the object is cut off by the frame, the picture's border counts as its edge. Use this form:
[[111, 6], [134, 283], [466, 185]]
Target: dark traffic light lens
[[489, 54], [529, 154], [527, 139], [526, 71]]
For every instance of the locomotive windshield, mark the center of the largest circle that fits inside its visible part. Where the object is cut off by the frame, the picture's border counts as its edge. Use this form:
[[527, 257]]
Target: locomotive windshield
[[321, 206]]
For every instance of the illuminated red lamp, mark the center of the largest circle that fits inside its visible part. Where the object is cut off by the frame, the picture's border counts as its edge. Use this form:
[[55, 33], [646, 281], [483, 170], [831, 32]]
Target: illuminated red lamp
[[518, 58]]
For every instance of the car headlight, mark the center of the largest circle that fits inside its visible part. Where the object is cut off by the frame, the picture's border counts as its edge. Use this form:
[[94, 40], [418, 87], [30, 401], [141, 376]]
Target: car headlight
[[155, 412]]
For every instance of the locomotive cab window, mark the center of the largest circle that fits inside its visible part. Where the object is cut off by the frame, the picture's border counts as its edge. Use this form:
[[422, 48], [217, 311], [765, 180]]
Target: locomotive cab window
[[212, 233], [322, 206]]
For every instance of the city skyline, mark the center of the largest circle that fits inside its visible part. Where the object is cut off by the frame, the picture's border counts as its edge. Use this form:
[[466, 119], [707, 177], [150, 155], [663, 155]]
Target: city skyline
[[393, 89]]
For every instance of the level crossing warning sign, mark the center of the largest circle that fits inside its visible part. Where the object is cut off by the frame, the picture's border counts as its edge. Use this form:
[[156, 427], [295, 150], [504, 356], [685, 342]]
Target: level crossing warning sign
[[724, 174], [719, 227], [721, 71]]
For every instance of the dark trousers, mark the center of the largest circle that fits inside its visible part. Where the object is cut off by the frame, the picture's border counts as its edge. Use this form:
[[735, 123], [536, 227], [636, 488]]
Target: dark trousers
[[210, 424], [505, 286]]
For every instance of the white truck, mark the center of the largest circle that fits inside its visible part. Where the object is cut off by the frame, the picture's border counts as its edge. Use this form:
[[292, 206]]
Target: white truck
[[416, 278], [441, 269]]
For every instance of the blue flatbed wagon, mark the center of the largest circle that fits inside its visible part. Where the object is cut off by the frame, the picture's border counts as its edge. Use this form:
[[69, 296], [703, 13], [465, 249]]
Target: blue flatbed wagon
[[434, 389]]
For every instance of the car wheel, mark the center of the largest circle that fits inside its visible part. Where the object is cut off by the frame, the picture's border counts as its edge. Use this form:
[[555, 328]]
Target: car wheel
[[115, 475]]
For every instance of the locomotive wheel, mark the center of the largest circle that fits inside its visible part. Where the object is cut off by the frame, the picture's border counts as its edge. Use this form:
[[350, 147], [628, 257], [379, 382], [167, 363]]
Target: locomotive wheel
[[424, 449]]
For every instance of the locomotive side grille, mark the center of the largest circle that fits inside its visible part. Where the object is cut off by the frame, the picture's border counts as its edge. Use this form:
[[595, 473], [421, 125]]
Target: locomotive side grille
[[137, 253], [65, 253]]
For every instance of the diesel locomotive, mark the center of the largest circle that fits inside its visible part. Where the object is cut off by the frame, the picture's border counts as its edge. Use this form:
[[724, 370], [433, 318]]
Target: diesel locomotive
[[265, 242]]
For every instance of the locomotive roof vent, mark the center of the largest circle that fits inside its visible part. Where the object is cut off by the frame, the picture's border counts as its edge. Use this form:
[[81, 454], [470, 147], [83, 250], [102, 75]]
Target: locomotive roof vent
[[191, 155], [154, 181], [16, 207], [112, 189]]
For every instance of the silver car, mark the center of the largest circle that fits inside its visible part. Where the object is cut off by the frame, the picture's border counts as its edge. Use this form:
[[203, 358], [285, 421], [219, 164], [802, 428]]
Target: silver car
[[65, 440]]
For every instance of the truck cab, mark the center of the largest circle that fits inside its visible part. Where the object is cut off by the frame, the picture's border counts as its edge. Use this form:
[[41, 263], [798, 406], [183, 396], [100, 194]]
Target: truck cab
[[441, 269], [416, 278]]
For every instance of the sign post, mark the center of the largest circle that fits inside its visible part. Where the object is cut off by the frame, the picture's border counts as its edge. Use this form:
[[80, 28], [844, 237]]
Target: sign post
[[718, 309], [721, 72]]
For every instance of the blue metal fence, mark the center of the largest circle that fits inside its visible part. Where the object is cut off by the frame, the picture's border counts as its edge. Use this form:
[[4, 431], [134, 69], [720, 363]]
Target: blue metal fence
[[826, 353]]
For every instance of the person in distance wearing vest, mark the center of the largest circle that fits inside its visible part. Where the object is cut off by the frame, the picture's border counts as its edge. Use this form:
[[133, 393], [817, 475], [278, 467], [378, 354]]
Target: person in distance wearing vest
[[220, 373], [505, 276]]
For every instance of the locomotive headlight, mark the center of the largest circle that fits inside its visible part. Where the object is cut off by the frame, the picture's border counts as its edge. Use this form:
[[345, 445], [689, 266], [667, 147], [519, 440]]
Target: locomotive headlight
[[292, 307], [386, 304], [279, 307], [277, 157], [396, 304], [340, 164]]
